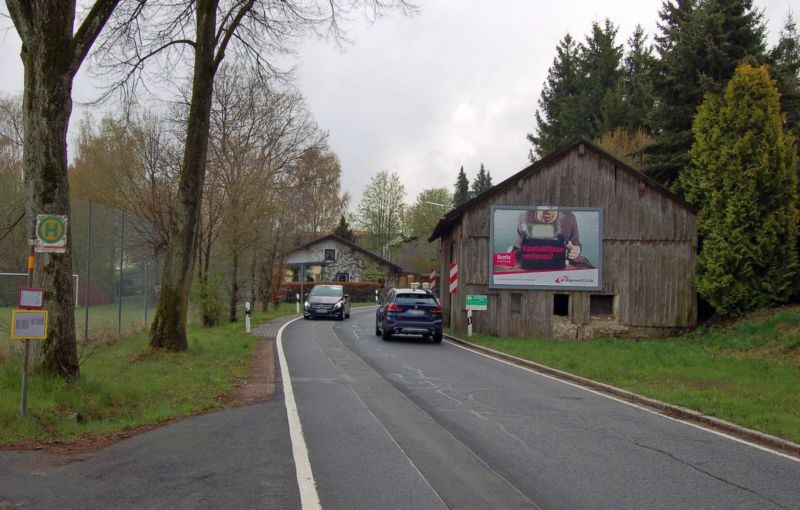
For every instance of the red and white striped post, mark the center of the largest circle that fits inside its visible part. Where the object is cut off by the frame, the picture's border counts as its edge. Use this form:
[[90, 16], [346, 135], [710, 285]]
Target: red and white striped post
[[453, 278]]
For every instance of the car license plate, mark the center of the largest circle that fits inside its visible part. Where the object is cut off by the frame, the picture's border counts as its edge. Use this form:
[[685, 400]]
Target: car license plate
[[416, 313]]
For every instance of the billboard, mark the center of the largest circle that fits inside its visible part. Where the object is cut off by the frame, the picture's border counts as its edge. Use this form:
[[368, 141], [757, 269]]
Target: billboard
[[546, 247]]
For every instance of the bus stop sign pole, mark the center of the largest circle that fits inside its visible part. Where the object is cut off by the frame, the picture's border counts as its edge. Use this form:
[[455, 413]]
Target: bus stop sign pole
[[25, 363]]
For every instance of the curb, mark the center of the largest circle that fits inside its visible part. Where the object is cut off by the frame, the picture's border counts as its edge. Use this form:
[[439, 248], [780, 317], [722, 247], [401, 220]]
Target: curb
[[670, 410]]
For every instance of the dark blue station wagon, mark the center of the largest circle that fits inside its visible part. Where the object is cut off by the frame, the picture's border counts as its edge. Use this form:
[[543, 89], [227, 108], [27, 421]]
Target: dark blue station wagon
[[409, 312]]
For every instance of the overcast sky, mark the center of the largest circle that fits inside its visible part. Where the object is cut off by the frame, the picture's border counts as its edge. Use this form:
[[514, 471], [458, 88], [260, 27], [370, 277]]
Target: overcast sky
[[455, 85]]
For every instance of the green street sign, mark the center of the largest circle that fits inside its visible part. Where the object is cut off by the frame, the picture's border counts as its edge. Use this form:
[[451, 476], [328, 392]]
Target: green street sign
[[477, 302], [51, 233]]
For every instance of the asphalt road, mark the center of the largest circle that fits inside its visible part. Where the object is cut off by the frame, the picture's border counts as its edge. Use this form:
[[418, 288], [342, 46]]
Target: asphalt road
[[407, 424], [240, 458]]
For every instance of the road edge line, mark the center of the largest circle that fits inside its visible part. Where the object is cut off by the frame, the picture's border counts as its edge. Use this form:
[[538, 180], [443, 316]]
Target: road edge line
[[754, 437], [309, 498]]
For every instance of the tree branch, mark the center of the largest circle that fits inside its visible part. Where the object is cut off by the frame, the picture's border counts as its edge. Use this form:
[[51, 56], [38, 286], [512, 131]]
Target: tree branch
[[22, 16], [89, 30], [229, 32], [11, 228]]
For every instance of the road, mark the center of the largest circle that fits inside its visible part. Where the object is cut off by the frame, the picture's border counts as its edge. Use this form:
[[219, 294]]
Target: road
[[406, 424]]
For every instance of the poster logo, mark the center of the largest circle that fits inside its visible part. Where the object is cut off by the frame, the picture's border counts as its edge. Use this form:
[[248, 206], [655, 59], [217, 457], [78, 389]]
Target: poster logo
[[505, 259]]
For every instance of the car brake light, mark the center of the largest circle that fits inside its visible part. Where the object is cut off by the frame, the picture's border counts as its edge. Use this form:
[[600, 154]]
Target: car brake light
[[435, 309], [394, 308]]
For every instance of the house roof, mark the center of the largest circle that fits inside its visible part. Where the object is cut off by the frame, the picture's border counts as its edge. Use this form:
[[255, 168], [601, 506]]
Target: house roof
[[354, 247], [447, 221]]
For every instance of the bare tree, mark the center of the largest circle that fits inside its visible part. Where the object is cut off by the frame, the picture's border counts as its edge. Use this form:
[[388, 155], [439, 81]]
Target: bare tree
[[381, 211], [249, 28], [12, 193], [321, 203], [52, 53], [256, 135], [133, 164], [11, 134]]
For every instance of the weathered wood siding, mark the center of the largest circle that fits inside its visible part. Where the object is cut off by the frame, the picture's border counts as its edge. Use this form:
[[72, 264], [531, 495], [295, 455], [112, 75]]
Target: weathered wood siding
[[649, 249]]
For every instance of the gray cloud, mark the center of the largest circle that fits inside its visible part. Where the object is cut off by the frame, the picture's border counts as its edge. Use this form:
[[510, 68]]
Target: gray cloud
[[422, 96]]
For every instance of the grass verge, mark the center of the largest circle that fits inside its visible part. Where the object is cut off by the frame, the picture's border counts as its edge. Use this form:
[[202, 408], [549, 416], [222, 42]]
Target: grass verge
[[126, 385], [746, 372]]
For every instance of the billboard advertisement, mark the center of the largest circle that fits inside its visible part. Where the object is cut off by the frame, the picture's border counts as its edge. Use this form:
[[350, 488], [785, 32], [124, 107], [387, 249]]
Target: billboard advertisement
[[546, 247]]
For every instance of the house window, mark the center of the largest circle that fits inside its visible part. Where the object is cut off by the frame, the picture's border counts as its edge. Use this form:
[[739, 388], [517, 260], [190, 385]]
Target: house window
[[516, 304], [330, 254], [601, 305], [342, 277], [561, 304]]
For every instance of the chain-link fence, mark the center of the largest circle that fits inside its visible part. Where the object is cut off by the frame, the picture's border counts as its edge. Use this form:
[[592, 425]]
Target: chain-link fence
[[115, 272], [119, 273]]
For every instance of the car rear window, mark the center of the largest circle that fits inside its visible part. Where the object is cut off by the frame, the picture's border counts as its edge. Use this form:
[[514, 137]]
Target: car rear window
[[415, 299]]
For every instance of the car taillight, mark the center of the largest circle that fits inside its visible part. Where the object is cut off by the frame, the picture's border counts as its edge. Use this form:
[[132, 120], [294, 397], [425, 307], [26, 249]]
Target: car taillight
[[435, 309], [394, 308]]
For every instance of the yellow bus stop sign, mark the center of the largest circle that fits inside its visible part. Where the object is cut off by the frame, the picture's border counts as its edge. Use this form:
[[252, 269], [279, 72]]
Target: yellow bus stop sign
[[51, 233]]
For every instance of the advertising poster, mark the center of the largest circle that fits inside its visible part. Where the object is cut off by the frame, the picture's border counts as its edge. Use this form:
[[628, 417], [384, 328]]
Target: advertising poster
[[546, 247]]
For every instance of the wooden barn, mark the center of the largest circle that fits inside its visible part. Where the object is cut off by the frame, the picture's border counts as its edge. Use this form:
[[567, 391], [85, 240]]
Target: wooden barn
[[577, 245]]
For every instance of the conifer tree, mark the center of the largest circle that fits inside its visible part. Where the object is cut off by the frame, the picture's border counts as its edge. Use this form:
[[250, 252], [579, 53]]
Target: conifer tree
[[638, 70], [743, 180], [559, 117], [344, 231], [785, 69], [582, 94], [482, 182], [699, 45], [601, 73], [461, 194]]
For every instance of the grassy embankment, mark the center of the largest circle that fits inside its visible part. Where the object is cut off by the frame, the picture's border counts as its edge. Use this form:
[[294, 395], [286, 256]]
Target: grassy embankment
[[124, 384], [746, 372]]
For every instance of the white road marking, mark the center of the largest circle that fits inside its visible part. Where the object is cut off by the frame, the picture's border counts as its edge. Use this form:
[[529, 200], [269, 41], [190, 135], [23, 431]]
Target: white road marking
[[637, 406], [309, 498]]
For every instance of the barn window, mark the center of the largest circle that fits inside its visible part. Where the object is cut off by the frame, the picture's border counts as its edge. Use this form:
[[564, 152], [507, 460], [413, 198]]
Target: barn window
[[601, 305], [330, 254], [516, 304], [561, 304]]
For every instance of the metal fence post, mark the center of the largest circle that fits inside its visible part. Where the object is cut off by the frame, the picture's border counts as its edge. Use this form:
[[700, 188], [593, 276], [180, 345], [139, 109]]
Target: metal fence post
[[88, 270], [121, 258], [146, 280]]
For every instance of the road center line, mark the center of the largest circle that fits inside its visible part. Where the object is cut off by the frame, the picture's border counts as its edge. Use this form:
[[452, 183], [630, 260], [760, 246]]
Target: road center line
[[309, 498]]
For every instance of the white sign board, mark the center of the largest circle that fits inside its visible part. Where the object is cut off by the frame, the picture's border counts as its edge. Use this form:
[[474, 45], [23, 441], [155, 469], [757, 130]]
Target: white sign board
[[30, 297], [28, 324]]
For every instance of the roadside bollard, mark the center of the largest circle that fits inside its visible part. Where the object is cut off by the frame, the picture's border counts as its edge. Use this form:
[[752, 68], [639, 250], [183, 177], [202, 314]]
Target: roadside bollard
[[247, 316]]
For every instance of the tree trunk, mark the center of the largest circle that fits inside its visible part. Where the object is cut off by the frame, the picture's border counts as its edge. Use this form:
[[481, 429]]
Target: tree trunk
[[169, 325], [253, 284], [262, 293], [234, 285], [47, 105]]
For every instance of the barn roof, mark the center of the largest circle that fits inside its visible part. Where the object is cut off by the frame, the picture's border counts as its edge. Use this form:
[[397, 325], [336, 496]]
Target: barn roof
[[353, 246], [447, 221]]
